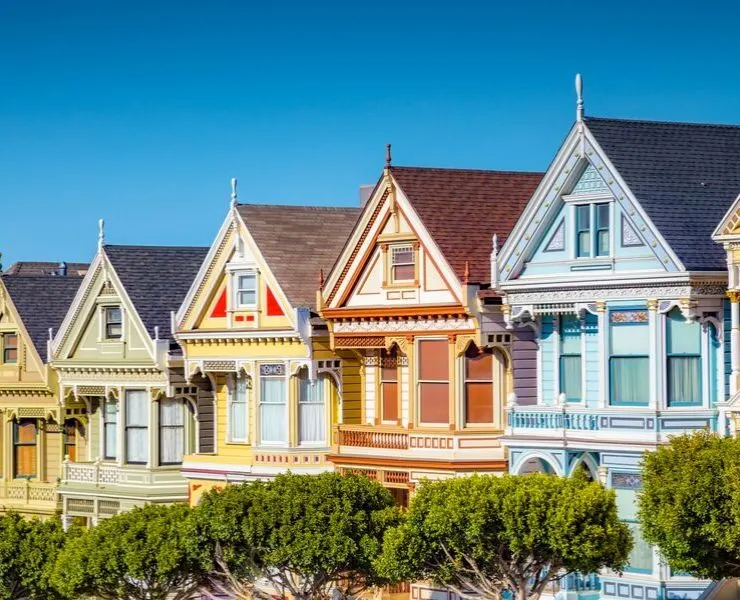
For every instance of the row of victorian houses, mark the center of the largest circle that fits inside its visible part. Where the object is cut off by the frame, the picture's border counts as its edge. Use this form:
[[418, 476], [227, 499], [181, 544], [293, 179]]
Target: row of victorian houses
[[458, 321]]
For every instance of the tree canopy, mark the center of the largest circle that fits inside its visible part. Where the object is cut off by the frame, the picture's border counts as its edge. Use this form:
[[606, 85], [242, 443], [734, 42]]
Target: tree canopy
[[28, 550], [690, 504], [483, 535], [140, 555], [307, 535]]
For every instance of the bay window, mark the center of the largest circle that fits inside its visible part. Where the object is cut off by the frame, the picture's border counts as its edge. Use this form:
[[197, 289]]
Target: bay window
[[629, 371], [570, 357], [389, 384], [238, 410], [478, 386], [273, 404], [171, 431], [434, 382], [137, 427], [311, 410], [683, 357]]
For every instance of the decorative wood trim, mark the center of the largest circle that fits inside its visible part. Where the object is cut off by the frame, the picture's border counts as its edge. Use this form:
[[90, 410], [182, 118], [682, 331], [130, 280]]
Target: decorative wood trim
[[467, 465], [394, 311]]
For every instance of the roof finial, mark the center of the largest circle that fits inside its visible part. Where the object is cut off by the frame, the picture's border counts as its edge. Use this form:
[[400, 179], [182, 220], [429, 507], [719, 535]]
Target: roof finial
[[387, 156], [101, 234], [1, 264], [321, 278], [233, 192], [579, 97], [466, 274]]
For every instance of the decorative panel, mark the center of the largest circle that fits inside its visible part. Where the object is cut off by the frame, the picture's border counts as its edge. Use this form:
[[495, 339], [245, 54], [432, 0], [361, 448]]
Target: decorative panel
[[629, 235], [590, 182]]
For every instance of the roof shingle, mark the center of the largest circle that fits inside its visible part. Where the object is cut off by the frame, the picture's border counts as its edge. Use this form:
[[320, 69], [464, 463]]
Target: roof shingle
[[297, 241], [27, 268], [462, 209], [156, 279], [685, 176]]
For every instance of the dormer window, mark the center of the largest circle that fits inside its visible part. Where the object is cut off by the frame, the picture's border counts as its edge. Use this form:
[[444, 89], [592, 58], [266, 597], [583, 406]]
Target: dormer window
[[403, 263], [592, 230], [10, 348], [246, 289], [113, 323]]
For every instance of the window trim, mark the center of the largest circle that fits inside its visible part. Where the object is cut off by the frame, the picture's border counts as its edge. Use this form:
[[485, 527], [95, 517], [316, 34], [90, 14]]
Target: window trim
[[389, 355], [394, 249], [232, 381], [5, 347], [610, 379], [562, 355], [105, 424], [127, 428], [593, 230], [17, 444], [495, 370], [285, 377], [419, 381], [161, 427], [669, 355], [237, 290], [107, 323], [322, 381]]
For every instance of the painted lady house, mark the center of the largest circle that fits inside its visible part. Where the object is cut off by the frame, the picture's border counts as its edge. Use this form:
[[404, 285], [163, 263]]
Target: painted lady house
[[271, 387], [120, 378], [35, 431], [612, 264], [409, 296]]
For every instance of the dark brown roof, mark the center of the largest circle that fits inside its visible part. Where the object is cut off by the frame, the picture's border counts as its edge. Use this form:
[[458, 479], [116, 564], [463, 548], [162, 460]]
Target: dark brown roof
[[462, 209], [45, 268], [297, 241]]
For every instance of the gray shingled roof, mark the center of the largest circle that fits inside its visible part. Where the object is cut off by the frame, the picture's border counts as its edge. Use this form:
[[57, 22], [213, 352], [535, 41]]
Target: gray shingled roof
[[297, 241], [157, 279], [685, 176], [45, 268], [42, 302]]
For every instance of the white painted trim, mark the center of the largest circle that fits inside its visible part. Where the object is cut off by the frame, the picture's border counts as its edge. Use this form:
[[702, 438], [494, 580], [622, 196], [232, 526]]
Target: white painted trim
[[717, 233]]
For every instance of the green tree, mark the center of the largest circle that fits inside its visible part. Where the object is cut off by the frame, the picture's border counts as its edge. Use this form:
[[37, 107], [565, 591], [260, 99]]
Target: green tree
[[28, 549], [690, 504], [484, 535], [307, 535], [138, 555]]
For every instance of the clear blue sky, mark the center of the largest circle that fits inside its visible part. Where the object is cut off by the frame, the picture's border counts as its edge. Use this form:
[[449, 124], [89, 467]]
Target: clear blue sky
[[140, 112]]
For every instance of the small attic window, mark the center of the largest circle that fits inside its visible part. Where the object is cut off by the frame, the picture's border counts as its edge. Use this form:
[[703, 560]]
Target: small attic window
[[246, 289], [403, 263], [10, 348], [113, 323]]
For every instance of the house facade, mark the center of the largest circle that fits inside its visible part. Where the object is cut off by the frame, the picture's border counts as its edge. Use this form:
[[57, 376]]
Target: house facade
[[120, 380], [612, 265], [34, 431], [409, 297], [271, 388]]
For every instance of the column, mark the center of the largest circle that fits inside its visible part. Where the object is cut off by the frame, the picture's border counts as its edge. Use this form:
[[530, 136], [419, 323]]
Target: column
[[452, 378], [411, 370], [603, 353], [734, 296], [655, 353]]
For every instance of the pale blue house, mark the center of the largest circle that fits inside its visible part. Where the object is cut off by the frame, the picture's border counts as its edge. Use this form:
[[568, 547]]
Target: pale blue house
[[613, 266]]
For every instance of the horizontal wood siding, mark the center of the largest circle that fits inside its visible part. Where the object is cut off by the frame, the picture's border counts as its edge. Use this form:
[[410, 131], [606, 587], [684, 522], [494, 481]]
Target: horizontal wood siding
[[352, 389], [524, 362], [205, 420]]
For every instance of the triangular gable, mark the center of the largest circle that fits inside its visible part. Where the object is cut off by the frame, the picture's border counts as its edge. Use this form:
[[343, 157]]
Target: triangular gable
[[82, 335], [728, 228], [11, 321], [545, 232], [362, 276], [209, 304]]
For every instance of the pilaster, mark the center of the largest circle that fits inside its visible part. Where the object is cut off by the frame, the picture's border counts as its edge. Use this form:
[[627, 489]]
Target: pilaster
[[654, 343], [734, 296]]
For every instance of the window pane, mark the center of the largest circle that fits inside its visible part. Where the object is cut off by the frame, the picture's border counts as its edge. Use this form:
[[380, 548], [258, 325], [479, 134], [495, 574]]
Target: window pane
[[238, 422], [137, 407], [602, 243], [389, 366], [570, 334], [682, 337], [583, 217], [390, 400], [403, 273], [630, 339], [629, 380], [641, 557], [247, 282], [171, 412], [626, 503], [602, 216], [111, 441], [570, 377], [247, 298], [684, 380], [311, 411], [25, 461], [478, 402], [272, 390], [137, 426], [433, 360], [584, 244], [113, 315], [273, 418], [403, 256], [434, 401], [171, 445], [137, 445], [25, 432], [478, 366]]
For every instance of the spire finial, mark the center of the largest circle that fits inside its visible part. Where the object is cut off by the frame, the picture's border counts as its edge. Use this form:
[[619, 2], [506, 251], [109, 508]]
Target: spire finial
[[387, 156], [321, 278], [101, 234], [579, 97], [495, 244], [233, 192], [466, 274]]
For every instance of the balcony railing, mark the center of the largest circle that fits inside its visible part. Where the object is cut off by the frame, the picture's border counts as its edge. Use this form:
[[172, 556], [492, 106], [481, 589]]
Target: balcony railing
[[25, 491], [95, 473], [362, 437], [547, 418]]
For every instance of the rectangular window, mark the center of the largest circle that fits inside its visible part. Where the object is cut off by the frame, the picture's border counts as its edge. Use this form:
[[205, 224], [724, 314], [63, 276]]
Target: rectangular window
[[113, 323], [570, 357], [389, 384], [246, 289], [683, 353], [311, 411], [629, 371], [273, 404], [10, 348], [171, 431], [24, 448], [110, 430], [434, 382], [478, 387], [641, 557], [403, 266], [137, 427], [238, 408], [70, 439], [592, 230]]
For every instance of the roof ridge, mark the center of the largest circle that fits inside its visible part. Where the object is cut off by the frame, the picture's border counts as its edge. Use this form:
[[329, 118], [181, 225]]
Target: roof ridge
[[154, 247], [659, 122], [317, 206], [464, 170]]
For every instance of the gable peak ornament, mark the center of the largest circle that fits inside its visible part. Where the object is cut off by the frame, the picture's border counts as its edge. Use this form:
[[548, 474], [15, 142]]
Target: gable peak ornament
[[233, 193], [579, 97], [101, 234]]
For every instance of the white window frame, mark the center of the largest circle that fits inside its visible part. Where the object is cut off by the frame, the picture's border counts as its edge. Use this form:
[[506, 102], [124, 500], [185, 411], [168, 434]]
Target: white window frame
[[391, 262], [231, 393], [322, 385], [286, 403], [237, 275], [104, 323]]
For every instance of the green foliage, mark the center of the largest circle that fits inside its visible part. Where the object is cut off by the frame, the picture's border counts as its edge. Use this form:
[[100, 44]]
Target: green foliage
[[139, 555], [489, 534], [690, 504], [304, 533], [28, 549]]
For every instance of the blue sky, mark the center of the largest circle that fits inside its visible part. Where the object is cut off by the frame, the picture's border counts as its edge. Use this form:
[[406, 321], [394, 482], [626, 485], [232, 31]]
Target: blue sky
[[141, 112]]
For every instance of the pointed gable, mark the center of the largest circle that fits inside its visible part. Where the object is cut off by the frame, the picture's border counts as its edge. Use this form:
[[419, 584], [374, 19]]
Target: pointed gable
[[684, 175], [296, 242]]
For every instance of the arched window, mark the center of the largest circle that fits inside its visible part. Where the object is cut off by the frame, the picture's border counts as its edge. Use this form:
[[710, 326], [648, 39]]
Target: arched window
[[478, 386], [312, 409]]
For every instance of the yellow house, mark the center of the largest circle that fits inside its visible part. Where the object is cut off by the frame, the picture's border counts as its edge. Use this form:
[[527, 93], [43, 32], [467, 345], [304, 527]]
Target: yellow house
[[269, 387], [35, 433]]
